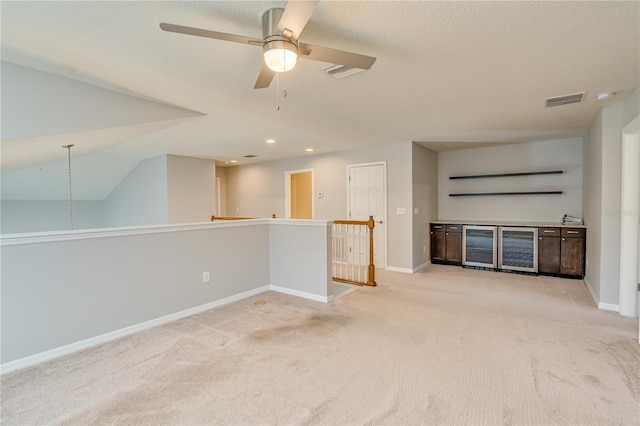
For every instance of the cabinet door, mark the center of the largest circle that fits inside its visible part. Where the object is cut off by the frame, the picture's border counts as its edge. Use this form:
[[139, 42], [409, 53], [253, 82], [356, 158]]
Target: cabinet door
[[549, 255], [572, 256], [437, 246], [453, 243]]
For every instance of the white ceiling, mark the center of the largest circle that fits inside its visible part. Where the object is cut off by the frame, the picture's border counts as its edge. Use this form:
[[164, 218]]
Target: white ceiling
[[463, 72]]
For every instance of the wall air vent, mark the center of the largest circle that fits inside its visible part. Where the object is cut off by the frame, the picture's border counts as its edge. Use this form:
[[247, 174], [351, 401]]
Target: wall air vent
[[250, 156], [341, 71], [575, 98]]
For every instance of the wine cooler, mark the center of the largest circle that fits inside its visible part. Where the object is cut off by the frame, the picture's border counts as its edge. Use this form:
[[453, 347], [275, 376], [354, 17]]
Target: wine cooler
[[518, 249], [479, 246]]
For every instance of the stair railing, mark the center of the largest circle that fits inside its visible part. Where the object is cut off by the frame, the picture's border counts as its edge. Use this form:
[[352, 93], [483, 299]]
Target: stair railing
[[352, 252]]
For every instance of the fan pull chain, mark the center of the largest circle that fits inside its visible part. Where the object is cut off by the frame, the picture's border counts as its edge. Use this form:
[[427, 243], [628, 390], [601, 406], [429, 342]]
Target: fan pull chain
[[284, 92], [68, 148]]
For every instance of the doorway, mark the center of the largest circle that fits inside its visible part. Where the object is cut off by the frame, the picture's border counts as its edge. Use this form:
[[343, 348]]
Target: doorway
[[367, 196], [299, 194]]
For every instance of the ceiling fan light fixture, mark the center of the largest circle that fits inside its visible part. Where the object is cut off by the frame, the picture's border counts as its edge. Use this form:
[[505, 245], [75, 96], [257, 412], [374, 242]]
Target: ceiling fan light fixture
[[280, 55]]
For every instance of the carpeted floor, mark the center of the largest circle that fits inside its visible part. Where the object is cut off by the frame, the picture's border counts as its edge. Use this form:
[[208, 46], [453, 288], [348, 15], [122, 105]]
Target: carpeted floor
[[446, 346]]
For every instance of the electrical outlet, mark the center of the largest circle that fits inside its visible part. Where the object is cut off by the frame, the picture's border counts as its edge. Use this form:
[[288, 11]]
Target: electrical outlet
[[206, 276]]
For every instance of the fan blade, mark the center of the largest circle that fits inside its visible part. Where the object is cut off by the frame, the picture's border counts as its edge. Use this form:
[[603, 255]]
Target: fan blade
[[296, 15], [265, 77], [173, 28], [335, 56]]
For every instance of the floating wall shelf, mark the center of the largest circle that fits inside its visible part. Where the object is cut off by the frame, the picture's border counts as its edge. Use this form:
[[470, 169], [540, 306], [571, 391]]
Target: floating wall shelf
[[478, 194], [553, 172]]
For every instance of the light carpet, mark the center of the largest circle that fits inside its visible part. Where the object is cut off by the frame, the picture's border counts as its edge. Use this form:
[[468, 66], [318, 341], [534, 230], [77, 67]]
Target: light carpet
[[444, 346]]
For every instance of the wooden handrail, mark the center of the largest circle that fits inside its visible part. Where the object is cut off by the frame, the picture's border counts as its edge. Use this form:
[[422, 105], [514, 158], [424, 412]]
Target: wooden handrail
[[230, 218], [214, 217]]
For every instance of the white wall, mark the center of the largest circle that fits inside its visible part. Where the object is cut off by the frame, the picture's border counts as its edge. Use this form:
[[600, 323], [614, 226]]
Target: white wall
[[425, 199], [39, 216], [190, 189], [602, 203], [593, 205], [141, 197], [565, 155], [258, 190], [36, 103]]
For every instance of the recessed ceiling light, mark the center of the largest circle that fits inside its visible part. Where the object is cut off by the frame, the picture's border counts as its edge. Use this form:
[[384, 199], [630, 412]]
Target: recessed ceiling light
[[309, 149], [271, 141], [604, 96], [233, 161]]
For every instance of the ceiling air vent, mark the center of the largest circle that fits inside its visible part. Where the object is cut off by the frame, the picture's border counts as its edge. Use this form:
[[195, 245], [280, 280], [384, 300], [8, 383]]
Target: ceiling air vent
[[250, 156], [341, 71], [575, 98]]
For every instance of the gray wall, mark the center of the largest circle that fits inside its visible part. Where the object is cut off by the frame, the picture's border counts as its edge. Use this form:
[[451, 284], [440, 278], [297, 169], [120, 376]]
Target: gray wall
[[300, 256], [67, 291], [61, 292], [141, 198], [40, 216], [221, 173], [190, 189], [565, 155], [603, 162], [258, 190], [425, 199]]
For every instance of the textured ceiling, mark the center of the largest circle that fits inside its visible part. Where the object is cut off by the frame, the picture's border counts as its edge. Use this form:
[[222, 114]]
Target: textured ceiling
[[465, 72]]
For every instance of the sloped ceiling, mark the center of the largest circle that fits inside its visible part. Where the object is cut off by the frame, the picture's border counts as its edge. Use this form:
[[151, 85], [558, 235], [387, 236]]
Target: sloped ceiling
[[464, 72]]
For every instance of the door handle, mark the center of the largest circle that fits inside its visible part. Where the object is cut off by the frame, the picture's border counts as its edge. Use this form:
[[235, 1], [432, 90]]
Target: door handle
[[380, 222]]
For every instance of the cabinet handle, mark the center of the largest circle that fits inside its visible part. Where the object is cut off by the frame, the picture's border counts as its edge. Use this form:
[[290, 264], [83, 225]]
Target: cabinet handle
[[563, 239], [549, 232], [437, 227], [539, 238], [573, 232], [446, 233]]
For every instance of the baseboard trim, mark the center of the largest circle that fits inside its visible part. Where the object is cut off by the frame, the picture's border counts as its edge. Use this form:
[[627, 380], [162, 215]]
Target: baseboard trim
[[593, 294], [303, 294], [396, 269], [609, 307], [419, 267], [116, 334], [601, 305]]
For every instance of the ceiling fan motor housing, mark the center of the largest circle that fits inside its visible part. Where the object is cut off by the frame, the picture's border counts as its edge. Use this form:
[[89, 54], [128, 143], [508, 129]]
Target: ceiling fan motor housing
[[270, 20]]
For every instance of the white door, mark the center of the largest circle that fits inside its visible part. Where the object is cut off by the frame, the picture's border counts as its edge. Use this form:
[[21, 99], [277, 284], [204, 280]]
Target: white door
[[367, 197]]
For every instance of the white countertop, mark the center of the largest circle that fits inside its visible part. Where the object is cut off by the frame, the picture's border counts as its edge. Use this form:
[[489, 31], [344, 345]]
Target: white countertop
[[507, 223]]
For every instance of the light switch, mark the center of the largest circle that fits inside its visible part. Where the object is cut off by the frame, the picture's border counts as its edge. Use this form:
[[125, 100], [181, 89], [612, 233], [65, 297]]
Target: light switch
[[401, 210], [416, 211]]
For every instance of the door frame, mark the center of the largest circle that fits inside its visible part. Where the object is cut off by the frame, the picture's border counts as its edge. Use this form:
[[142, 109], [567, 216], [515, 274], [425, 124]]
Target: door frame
[[287, 191], [629, 226], [382, 163]]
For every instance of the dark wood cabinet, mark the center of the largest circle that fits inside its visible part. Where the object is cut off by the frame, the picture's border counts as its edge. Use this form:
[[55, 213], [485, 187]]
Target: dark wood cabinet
[[549, 250], [561, 251], [572, 251], [453, 244], [446, 244], [438, 253]]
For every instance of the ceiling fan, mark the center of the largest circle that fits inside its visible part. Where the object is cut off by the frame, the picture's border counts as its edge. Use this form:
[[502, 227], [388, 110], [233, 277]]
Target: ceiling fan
[[281, 30]]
